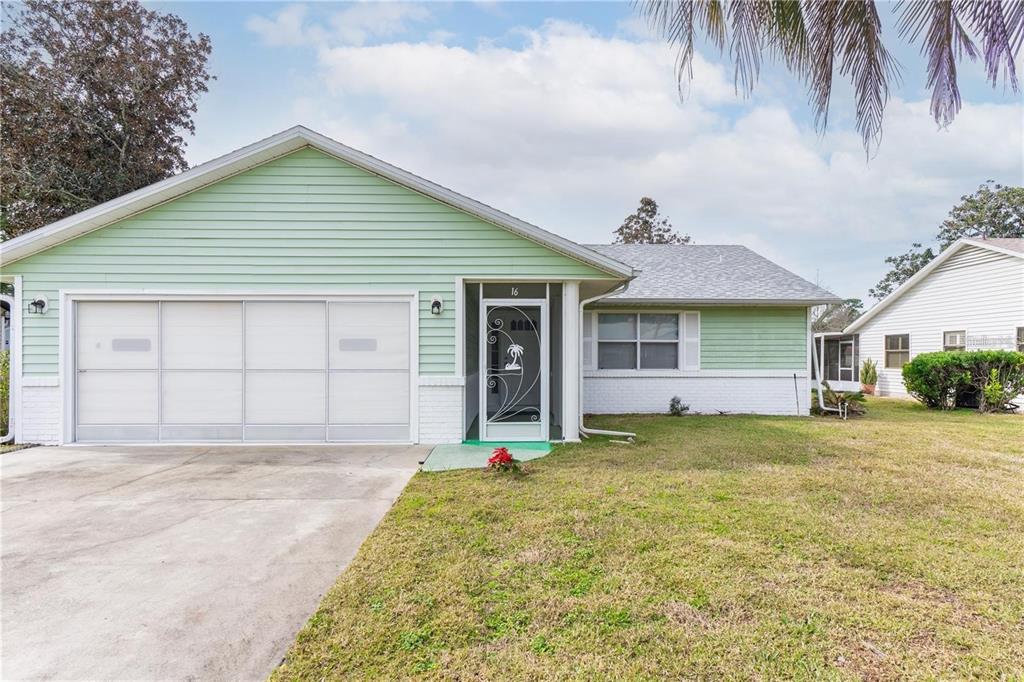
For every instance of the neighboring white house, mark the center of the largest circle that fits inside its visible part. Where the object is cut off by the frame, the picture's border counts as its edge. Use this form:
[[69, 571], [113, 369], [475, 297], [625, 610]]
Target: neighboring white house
[[971, 297]]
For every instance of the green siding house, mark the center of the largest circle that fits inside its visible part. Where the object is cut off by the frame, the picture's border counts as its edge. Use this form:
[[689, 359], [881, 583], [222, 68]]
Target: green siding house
[[300, 290]]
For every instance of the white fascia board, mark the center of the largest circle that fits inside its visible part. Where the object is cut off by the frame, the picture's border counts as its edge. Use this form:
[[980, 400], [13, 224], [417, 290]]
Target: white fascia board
[[910, 283], [265, 150]]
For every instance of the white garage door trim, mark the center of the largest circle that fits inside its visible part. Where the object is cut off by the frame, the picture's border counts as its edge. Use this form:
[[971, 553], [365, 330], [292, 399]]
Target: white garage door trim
[[68, 326]]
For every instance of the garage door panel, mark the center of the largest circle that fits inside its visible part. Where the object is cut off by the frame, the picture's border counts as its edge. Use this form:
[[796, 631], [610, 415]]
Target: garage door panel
[[368, 432], [369, 335], [201, 334], [200, 432], [111, 433], [285, 335], [201, 397], [117, 397], [369, 397], [285, 398], [117, 335]]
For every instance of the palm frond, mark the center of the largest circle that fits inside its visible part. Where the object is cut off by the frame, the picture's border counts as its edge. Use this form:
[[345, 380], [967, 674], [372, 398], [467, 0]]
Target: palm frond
[[1001, 29], [678, 21], [868, 64], [822, 19], [752, 22], [945, 40]]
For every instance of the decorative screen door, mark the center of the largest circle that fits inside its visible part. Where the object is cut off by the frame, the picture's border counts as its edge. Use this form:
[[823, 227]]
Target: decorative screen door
[[514, 370]]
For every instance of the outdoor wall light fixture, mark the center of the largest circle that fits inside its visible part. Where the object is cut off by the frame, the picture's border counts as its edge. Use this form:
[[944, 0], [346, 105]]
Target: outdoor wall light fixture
[[436, 306], [38, 305]]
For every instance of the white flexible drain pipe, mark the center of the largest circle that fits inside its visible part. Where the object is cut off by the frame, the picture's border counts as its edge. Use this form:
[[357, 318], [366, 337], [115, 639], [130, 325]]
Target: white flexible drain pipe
[[584, 431]]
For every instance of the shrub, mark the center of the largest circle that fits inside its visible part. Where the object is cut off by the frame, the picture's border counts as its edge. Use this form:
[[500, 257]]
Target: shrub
[[869, 372], [989, 378], [676, 408], [853, 400]]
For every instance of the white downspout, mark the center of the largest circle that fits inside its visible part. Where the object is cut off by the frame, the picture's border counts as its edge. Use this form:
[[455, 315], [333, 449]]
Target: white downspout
[[584, 431], [819, 362]]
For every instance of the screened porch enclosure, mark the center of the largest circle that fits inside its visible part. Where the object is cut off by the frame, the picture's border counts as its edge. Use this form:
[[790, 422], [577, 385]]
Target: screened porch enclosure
[[841, 353]]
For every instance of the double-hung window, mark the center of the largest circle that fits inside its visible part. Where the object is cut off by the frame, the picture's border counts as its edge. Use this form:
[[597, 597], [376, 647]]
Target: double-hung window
[[648, 340], [897, 350], [954, 340]]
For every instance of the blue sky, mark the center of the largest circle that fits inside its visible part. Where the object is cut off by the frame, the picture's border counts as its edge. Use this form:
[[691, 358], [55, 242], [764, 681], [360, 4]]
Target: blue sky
[[565, 114]]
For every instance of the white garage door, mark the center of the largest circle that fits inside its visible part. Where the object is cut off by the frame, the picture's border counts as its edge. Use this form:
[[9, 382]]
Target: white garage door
[[242, 370]]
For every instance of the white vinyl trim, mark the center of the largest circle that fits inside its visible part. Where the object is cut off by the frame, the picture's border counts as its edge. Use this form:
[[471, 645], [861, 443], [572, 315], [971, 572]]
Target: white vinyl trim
[[15, 397]]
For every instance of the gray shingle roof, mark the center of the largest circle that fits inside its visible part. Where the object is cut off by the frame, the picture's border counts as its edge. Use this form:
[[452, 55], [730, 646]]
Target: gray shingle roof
[[708, 274]]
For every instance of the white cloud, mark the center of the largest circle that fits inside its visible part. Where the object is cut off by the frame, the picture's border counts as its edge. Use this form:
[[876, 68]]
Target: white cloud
[[365, 20], [570, 128], [355, 25], [286, 28]]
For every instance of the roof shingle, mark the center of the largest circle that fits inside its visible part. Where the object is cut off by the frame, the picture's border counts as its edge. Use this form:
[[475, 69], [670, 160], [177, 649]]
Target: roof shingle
[[689, 273]]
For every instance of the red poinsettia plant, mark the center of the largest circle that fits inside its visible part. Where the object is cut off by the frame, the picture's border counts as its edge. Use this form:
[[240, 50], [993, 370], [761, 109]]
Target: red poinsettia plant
[[502, 460]]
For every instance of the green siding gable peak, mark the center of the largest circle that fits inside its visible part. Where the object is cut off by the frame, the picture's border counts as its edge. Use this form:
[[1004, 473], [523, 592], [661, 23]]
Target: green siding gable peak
[[306, 221]]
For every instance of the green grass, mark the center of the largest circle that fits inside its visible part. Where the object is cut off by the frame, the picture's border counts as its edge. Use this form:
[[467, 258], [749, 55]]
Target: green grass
[[890, 546]]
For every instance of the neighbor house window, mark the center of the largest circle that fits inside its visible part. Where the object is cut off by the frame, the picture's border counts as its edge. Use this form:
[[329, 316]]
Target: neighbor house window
[[897, 350], [648, 340], [954, 340], [1020, 339]]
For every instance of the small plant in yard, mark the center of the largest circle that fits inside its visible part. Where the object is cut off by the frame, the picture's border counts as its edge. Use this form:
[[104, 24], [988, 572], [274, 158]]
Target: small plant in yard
[[869, 376], [502, 460], [676, 408], [853, 401]]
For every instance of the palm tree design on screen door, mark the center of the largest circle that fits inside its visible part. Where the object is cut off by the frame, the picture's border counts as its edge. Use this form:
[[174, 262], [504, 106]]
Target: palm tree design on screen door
[[515, 352], [507, 380]]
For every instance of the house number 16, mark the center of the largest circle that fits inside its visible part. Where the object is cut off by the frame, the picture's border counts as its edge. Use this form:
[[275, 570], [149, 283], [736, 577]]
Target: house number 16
[[515, 291]]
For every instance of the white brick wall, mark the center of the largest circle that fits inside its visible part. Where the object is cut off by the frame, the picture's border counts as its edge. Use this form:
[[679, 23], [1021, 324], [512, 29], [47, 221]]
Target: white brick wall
[[40, 414], [774, 394], [440, 412]]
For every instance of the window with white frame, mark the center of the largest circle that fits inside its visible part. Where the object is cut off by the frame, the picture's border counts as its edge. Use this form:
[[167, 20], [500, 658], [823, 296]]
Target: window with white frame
[[648, 340], [954, 340], [897, 350]]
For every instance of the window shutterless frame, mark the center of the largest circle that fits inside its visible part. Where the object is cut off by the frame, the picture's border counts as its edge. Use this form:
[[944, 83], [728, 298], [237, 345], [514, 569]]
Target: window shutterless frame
[[687, 356], [897, 345]]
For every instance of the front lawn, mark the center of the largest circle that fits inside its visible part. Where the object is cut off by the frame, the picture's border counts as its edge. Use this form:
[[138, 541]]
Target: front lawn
[[739, 546]]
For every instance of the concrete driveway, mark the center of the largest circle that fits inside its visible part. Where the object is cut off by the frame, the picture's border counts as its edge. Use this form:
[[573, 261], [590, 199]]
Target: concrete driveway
[[178, 562]]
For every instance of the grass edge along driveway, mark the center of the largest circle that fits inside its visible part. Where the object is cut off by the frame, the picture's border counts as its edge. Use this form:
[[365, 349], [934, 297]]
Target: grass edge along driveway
[[889, 546]]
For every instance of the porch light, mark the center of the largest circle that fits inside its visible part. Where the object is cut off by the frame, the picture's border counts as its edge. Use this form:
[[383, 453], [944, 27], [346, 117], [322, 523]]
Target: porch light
[[435, 305], [38, 305]]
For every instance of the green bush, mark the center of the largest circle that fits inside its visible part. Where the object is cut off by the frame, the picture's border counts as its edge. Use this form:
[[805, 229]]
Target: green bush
[[991, 378]]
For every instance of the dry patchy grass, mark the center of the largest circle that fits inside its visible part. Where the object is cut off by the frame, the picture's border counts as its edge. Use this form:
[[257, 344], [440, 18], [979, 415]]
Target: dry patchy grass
[[743, 547]]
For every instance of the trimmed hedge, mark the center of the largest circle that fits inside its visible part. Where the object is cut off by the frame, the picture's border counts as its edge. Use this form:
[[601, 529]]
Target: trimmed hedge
[[988, 379]]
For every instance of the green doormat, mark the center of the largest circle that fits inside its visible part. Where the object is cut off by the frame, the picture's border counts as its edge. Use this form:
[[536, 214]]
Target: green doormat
[[474, 454]]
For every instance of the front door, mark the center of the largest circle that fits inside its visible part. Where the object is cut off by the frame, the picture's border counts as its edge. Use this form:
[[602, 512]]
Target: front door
[[514, 380]]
